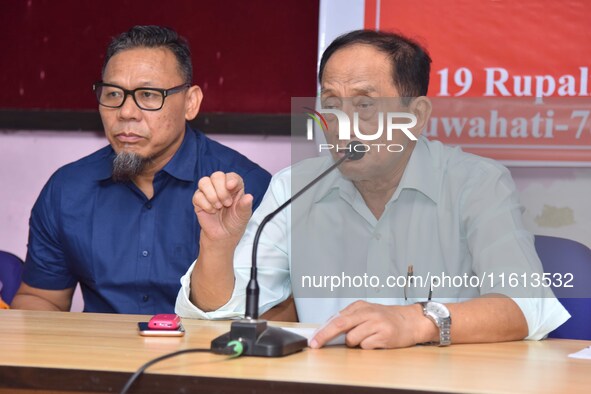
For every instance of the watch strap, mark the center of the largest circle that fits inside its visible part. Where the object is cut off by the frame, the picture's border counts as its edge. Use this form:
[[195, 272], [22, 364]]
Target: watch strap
[[442, 324]]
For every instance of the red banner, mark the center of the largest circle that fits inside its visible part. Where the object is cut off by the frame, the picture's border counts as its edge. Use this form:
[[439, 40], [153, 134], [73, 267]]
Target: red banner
[[510, 80]]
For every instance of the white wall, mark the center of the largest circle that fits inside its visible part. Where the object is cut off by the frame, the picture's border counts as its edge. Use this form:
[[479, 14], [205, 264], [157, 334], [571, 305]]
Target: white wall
[[28, 158], [555, 199]]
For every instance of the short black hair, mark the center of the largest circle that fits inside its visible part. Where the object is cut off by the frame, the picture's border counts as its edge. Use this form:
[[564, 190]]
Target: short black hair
[[154, 37], [411, 63]]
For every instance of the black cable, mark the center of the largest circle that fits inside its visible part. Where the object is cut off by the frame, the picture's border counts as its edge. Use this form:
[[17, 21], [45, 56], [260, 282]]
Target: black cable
[[234, 349]]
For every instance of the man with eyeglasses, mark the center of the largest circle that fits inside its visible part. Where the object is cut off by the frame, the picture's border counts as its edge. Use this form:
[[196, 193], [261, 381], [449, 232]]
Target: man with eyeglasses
[[120, 222]]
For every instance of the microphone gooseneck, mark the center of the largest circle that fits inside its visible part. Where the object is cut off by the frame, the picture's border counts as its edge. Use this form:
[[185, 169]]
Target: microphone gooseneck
[[252, 289], [258, 338]]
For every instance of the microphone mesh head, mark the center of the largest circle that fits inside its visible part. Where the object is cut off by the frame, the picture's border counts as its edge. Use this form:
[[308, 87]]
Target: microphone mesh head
[[352, 154]]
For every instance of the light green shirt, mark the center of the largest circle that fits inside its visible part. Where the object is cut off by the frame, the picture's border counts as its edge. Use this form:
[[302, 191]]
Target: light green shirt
[[454, 216]]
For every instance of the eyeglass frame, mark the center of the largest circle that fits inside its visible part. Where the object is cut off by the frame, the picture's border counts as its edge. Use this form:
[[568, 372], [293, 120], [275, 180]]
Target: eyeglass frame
[[131, 92]]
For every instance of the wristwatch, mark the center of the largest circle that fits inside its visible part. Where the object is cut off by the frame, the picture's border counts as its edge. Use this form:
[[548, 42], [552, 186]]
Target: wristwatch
[[439, 314]]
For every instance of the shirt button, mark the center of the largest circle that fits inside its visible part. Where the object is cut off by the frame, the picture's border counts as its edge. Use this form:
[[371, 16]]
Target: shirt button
[[148, 205], [145, 297], [145, 253]]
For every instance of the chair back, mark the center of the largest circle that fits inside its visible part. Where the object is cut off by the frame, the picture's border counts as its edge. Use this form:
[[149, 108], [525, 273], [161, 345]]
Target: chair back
[[571, 262], [11, 270]]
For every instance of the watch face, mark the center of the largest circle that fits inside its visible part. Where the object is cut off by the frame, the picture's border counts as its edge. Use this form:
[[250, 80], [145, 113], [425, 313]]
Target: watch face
[[437, 309]]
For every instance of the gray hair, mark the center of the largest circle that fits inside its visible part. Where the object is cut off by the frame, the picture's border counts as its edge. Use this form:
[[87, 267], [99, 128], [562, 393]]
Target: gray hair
[[128, 165], [154, 37]]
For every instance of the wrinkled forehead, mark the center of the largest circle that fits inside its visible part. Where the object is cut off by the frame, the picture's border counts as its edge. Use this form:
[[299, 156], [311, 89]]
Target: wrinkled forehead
[[358, 70]]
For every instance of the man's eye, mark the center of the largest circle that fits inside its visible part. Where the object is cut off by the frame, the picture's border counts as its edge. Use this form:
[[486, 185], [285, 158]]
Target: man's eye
[[365, 104], [147, 94], [331, 104], [114, 94]]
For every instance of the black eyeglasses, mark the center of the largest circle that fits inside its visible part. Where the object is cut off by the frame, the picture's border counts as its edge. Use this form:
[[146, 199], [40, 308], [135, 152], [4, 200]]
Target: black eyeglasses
[[148, 99]]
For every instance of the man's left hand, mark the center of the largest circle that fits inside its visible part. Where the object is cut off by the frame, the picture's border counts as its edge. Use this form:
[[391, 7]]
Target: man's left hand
[[376, 326]]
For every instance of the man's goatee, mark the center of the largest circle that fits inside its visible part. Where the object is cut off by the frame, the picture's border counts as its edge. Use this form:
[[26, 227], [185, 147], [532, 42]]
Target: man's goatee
[[128, 165]]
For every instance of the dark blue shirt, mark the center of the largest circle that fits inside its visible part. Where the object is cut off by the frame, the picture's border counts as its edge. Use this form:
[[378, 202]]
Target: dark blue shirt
[[127, 252]]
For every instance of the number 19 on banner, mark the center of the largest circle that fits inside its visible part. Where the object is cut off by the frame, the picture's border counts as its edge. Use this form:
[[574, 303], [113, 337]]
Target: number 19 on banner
[[462, 79]]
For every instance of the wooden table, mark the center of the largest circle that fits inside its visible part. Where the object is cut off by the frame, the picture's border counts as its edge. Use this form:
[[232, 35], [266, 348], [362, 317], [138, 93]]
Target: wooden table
[[77, 352]]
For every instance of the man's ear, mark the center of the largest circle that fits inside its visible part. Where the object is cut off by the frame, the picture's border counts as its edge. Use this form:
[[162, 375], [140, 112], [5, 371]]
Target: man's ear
[[421, 107], [193, 99]]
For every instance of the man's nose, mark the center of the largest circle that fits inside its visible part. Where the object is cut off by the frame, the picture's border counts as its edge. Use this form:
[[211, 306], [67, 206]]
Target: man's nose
[[129, 109]]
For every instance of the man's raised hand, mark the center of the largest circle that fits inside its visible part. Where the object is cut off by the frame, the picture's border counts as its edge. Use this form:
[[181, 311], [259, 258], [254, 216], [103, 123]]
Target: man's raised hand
[[222, 207]]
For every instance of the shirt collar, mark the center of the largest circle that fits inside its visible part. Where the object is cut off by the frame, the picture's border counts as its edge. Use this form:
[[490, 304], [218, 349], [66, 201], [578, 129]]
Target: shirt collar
[[104, 168], [334, 182], [181, 166], [422, 173]]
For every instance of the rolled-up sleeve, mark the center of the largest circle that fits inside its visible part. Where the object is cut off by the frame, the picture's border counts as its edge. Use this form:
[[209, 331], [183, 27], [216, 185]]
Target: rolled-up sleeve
[[185, 308], [543, 315]]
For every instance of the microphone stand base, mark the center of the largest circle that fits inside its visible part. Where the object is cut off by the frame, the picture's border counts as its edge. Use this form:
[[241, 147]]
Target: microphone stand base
[[261, 340]]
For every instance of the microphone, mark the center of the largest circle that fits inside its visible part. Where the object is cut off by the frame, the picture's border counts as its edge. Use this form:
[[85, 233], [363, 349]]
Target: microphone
[[352, 154], [258, 338]]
